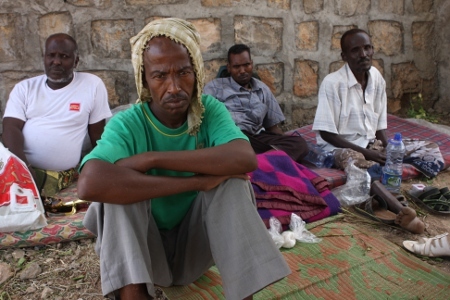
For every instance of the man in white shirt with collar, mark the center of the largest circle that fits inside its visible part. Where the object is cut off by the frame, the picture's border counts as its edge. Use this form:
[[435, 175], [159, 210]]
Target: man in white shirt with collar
[[352, 108], [352, 113]]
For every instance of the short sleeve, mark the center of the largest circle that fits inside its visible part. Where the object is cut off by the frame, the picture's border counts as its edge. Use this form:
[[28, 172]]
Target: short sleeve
[[119, 138], [16, 107], [327, 112], [218, 126], [100, 109]]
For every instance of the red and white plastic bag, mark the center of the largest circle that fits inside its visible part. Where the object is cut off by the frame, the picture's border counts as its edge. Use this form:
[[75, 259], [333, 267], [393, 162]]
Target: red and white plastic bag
[[21, 207]]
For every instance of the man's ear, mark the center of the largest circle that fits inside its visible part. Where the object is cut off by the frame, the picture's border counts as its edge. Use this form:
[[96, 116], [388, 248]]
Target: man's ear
[[144, 80], [343, 56], [77, 59], [228, 68]]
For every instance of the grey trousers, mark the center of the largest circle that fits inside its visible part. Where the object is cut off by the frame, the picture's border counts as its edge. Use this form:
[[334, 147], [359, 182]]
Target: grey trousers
[[222, 227]]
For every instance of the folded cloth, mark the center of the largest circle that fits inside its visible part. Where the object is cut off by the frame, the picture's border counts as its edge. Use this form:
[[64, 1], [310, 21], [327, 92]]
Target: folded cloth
[[424, 156], [283, 186]]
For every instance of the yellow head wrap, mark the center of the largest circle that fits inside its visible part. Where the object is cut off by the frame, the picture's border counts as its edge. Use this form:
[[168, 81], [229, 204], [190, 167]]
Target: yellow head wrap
[[185, 34]]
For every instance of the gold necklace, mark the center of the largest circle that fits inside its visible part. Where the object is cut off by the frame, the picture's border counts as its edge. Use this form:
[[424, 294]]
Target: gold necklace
[[157, 129]]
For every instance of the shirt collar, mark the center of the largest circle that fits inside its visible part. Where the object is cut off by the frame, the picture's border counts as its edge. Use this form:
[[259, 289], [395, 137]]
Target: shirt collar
[[352, 79], [237, 86]]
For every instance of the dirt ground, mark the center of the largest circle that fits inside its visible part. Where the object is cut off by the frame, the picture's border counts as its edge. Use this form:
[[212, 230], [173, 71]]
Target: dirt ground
[[71, 270]]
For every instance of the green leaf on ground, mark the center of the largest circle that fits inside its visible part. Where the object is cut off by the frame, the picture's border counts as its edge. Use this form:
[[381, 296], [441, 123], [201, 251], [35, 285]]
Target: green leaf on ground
[[21, 261]]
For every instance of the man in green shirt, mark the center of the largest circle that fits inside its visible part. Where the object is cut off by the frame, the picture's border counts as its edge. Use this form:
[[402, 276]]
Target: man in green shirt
[[169, 182]]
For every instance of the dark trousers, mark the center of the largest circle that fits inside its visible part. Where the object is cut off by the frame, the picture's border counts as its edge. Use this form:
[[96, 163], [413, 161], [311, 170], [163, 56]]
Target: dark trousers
[[294, 146]]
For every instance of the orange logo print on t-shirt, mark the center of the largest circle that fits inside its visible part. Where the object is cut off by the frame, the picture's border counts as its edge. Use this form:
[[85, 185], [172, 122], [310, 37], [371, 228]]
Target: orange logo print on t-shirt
[[74, 107]]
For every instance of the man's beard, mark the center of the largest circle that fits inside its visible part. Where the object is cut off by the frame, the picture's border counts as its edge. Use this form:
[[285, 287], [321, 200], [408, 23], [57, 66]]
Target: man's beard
[[61, 80]]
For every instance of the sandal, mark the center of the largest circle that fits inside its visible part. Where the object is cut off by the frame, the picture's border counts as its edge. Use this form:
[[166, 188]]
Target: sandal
[[432, 247], [432, 199], [402, 199], [57, 206], [376, 209], [395, 202]]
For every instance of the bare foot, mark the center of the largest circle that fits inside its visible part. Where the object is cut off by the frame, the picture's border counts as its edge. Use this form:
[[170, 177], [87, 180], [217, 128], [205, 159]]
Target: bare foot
[[407, 218]]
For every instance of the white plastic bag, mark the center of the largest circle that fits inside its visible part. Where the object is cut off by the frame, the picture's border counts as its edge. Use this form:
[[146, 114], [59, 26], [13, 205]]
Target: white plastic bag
[[298, 227], [21, 207], [357, 187], [275, 232]]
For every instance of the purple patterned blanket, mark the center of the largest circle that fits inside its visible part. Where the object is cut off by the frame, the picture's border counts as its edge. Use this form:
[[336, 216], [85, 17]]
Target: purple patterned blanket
[[283, 186]]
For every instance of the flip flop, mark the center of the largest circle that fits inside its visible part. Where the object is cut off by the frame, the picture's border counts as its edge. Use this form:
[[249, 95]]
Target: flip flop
[[433, 200], [376, 208], [432, 247]]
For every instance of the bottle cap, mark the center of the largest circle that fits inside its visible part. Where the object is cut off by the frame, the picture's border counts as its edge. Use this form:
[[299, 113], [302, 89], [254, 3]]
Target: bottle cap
[[398, 136]]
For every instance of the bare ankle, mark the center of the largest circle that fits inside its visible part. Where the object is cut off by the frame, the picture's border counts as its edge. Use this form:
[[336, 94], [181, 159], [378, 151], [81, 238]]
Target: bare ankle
[[134, 291]]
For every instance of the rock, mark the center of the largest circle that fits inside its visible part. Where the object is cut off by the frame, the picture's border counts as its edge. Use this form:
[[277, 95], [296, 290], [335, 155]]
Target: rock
[[30, 253], [5, 272], [18, 254], [86, 241], [31, 271], [46, 293]]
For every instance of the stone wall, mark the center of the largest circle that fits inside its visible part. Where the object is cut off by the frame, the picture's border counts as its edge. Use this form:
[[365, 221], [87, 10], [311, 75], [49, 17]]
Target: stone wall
[[295, 44]]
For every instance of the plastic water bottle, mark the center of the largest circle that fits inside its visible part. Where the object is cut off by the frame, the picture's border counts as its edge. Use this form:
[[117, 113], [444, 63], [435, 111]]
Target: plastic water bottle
[[392, 171], [318, 157]]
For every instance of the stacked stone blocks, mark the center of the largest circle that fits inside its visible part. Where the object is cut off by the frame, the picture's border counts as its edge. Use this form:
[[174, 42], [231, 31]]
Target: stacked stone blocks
[[295, 44]]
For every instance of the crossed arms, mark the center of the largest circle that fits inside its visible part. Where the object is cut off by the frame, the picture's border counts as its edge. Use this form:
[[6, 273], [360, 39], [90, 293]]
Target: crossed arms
[[125, 181]]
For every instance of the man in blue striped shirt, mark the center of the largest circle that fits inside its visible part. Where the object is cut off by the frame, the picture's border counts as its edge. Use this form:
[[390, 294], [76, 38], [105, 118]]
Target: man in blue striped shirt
[[253, 107]]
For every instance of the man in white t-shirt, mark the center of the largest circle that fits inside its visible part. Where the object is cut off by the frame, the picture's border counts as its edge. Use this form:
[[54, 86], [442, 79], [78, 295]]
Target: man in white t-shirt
[[48, 117]]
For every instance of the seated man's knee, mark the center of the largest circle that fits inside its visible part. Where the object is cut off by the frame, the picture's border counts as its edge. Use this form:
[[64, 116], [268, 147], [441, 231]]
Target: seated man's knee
[[237, 183], [303, 149]]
